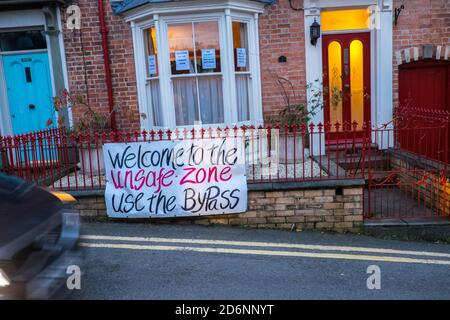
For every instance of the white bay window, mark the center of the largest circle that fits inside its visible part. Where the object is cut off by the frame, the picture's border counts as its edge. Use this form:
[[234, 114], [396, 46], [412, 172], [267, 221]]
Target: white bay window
[[198, 68]]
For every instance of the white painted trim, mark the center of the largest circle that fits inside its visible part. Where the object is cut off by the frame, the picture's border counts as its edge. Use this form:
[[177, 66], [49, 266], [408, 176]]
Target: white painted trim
[[313, 61], [21, 18], [165, 75], [140, 82], [384, 73], [50, 64], [198, 6], [63, 59], [257, 108], [333, 4], [5, 116]]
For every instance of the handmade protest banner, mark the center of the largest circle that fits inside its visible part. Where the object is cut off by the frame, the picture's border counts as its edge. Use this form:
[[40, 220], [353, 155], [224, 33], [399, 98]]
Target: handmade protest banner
[[175, 178]]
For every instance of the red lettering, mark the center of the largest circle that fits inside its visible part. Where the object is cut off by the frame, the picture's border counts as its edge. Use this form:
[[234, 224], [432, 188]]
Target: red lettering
[[140, 179], [136, 181], [116, 183], [201, 175], [184, 179], [225, 171]]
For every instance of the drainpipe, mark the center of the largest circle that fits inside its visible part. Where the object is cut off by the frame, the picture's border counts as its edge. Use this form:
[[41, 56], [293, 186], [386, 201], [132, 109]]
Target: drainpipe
[[104, 33]]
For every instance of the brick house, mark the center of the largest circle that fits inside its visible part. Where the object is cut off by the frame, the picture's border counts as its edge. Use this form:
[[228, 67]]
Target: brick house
[[181, 63]]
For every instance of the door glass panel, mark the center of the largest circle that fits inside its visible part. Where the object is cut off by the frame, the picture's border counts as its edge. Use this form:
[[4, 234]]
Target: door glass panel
[[207, 46], [181, 43], [240, 46], [22, 40], [152, 71], [357, 82], [345, 19], [335, 81]]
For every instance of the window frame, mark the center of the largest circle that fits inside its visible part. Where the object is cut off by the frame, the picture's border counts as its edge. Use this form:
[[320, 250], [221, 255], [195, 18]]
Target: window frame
[[168, 83], [224, 18]]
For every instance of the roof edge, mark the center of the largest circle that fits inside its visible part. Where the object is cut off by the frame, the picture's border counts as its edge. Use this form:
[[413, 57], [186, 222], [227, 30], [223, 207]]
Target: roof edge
[[122, 6]]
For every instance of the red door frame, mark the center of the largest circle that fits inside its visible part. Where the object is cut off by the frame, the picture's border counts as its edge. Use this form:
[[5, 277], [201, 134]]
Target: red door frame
[[344, 40]]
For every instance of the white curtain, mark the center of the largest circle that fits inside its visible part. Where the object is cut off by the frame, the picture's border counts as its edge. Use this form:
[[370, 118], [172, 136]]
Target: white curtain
[[242, 97], [154, 95], [187, 99], [211, 99]]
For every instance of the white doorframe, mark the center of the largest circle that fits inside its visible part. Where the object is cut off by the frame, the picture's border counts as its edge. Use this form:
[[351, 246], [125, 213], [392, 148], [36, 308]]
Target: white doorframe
[[381, 56], [63, 59]]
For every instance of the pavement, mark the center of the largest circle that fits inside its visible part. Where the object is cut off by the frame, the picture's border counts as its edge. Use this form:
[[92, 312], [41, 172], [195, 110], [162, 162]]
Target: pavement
[[148, 261]]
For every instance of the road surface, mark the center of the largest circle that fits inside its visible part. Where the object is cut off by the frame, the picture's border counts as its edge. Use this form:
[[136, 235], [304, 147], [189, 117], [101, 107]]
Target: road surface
[[145, 261]]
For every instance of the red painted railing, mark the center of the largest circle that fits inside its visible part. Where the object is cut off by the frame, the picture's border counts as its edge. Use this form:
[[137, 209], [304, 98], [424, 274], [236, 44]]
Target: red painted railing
[[69, 161], [423, 131]]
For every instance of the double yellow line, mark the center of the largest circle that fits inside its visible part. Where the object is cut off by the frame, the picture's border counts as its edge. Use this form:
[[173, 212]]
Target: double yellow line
[[248, 248]]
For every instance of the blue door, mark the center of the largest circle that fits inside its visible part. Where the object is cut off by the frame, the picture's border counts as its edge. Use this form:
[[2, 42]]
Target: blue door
[[29, 91]]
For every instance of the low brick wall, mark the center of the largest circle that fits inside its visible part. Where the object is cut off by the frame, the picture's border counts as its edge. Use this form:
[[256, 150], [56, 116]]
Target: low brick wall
[[334, 206]]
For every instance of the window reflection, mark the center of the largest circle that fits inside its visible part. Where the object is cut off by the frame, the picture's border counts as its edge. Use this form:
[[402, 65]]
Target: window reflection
[[22, 40], [240, 46], [195, 50], [207, 47], [152, 52], [181, 37]]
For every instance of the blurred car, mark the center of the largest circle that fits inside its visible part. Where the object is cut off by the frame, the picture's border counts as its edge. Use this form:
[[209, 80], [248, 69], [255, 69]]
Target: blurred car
[[39, 231]]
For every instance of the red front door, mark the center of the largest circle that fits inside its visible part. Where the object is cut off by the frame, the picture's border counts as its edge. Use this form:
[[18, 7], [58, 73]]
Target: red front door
[[346, 80]]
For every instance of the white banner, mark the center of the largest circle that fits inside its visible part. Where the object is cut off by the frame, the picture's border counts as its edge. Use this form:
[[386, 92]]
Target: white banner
[[175, 178]]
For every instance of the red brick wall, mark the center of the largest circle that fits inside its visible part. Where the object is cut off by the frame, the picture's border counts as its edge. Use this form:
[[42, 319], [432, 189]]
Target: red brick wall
[[281, 32], [421, 22], [121, 59]]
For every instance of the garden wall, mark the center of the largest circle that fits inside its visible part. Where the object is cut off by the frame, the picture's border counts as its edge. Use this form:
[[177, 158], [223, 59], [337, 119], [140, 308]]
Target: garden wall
[[336, 206]]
